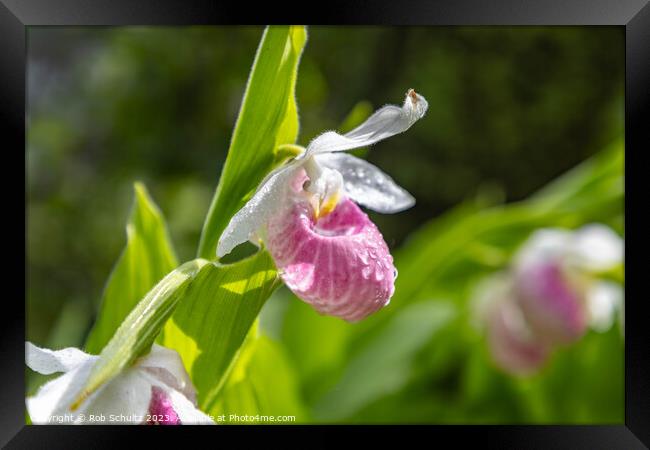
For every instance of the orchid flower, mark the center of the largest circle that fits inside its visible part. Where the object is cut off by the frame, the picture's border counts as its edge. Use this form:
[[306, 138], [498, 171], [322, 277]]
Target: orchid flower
[[155, 390], [556, 281], [327, 250], [551, 295]]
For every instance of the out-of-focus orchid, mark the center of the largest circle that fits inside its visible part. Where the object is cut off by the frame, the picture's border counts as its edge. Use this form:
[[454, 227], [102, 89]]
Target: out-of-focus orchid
[[327, 250], [550, 296], [155, 390], [555, 279]]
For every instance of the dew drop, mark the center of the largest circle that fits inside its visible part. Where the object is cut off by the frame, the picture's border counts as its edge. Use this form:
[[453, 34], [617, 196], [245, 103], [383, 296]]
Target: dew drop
[[363, 256]]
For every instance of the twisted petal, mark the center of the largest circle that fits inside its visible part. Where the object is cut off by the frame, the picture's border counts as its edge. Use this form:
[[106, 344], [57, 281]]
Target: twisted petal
[[385, 122], [248, 220], [339, 264], [366, 184]]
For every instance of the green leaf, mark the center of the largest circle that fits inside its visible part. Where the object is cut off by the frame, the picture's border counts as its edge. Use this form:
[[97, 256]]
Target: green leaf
[[209, 326], [146, 259], [268, 118], [262, 383], [136, 334], [216, 306], [383, 365], [319, 365]]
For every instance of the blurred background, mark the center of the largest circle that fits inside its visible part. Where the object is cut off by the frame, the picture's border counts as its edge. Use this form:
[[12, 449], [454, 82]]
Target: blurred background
[[511, 110]]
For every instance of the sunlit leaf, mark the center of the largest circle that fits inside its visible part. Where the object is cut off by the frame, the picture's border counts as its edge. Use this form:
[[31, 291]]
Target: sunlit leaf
[[383, 365], [267, 118], [137, 332], [217, 311], [317, 345], [261, 383], [146, 259]]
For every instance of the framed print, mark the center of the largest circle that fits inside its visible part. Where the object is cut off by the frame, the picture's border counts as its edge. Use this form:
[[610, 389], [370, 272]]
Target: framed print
[[387, 220]]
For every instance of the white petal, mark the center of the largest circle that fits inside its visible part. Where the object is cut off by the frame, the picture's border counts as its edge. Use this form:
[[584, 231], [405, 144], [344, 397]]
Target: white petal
[[166, 365], [366, 184], [46, 362], [253, 215], [53, 399], [186, 411], [385, 122], [123, 400], [597, 247], [543, 245], [604, 299]]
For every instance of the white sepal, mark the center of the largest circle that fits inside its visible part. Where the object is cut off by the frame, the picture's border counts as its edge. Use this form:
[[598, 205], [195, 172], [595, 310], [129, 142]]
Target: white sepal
[[248, 220], [46, 361], [384, 123], [366, 184]]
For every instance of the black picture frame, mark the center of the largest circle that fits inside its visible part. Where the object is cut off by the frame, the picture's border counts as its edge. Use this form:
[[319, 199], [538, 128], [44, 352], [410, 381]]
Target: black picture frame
[[633, 15]]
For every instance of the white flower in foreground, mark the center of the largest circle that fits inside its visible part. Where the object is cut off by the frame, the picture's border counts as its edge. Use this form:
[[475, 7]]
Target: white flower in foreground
[[156, 389], [327, 250]]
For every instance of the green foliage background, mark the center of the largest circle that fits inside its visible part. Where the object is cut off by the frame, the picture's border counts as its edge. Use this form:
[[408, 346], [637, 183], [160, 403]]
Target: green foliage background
[[511, 109]]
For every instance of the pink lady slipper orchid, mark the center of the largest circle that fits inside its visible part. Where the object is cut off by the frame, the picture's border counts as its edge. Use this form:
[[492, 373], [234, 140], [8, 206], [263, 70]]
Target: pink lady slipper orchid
[[155, 390], [556, 286], [550, 296], [327, 250]]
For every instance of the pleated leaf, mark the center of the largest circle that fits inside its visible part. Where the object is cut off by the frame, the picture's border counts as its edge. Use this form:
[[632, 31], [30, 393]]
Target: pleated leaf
[[136, 334], [263, 383], [217, 311], [147, 257]]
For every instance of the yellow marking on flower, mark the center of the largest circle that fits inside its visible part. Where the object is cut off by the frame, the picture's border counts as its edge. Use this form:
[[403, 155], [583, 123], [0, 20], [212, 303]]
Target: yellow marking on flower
[[328, 205]]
